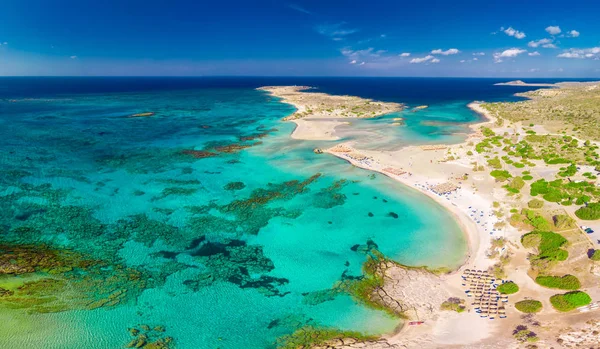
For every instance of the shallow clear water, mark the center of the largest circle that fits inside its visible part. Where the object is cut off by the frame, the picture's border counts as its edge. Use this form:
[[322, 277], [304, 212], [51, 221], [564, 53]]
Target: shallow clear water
[[204, 218]]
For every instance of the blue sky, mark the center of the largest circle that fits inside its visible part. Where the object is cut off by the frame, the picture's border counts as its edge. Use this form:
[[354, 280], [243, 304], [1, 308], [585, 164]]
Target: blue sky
[[266, 37]]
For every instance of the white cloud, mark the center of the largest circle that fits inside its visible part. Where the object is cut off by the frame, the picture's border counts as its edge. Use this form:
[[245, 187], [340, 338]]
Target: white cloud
[[405, 54], [353, 61], [534, 70], [553, 30], [479, 54], [510, 31], [585, 53], [337, 39], [421, 60], [549, 46], [362, 63], [475, 59], [435, 60], [573, 33], [462, 61], [539, 42], [335, 30], [535, 53], [451, 51], [299, 9], [73, 57], [513, 52], [369, 52]]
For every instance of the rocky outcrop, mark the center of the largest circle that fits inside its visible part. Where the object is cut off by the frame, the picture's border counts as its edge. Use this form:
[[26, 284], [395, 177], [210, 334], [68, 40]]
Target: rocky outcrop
[[415, 292], [350, 343]]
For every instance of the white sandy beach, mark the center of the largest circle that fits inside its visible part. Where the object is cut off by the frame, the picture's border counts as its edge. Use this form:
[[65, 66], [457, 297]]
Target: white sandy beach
[[449, 175]]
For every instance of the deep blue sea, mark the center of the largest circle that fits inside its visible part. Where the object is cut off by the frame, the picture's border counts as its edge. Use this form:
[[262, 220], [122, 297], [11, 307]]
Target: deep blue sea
[[179, 209]]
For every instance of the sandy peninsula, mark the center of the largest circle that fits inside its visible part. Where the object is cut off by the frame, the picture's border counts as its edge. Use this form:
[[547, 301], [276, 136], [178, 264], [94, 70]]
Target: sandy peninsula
[[523, 83], [318, 114], [458, 178]]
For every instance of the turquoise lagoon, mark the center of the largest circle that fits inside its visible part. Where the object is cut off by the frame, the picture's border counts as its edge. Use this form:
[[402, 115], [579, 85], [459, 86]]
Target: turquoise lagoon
[[204, 220]]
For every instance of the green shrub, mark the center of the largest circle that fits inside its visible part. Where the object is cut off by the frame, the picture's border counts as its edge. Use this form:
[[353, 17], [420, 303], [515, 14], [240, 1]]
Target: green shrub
[[569, 171], [531, 240], [454, 304], [501, 175], [570, 300], [595, 256], [535, 203], [494, 163], [536, 220], [567, 282], [562, 221], [590, 212], [508, 288], [517, 183], [529, 306], [549, 247], [487, 132], [527, 177]]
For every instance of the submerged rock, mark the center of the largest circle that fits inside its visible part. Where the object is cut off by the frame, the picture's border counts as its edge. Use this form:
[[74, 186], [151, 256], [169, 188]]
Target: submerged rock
[[318, 151]]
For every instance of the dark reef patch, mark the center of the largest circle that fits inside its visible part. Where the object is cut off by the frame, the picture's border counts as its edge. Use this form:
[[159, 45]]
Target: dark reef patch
[[234, 186], [330, 197]]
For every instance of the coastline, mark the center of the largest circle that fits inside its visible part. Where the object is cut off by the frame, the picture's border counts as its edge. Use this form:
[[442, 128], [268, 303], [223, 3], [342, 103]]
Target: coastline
[[413, 161], [426, 168]]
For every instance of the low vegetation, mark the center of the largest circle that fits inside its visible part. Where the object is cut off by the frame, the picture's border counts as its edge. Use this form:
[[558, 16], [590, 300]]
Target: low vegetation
[[310, 336], [535, 203], [547, 243], [567, 282], [508, 288], [570, 300], [529, 306], [453, 304], [589, 212], [595, 256], [522, 334]]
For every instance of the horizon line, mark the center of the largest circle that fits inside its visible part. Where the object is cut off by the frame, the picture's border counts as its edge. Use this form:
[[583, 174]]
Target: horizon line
[[290, 76]]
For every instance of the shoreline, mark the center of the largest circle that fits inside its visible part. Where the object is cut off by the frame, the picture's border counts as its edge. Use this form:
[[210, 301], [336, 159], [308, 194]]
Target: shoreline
[[429, 168], [477, 237]]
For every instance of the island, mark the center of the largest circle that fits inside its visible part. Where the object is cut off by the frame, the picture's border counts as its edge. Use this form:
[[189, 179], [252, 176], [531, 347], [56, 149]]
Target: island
[[523, 83], [318, 114]]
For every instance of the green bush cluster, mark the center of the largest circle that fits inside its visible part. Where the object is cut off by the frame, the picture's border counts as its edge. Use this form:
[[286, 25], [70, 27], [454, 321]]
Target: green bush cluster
[[570, 300], [565, 192], [571, 170], [501, 175], [590, 212], [562, 221], [529, 306], [595, 256], [508, 288], [517, 183], [537, 221], [549, 246], [494, 163], [567, 282]]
